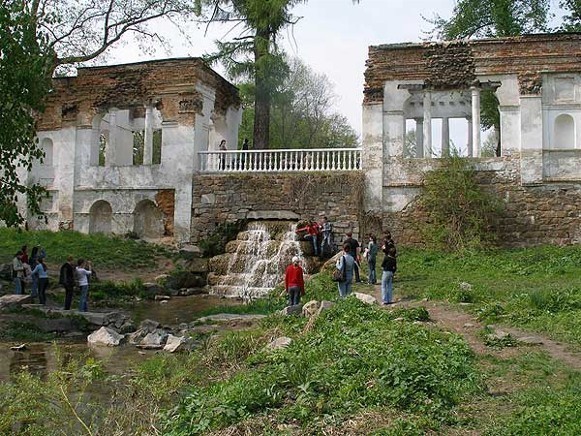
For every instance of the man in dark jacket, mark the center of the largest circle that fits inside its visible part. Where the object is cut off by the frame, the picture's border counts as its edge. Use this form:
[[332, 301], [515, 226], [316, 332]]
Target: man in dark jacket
[[355, 252], [67, 279]]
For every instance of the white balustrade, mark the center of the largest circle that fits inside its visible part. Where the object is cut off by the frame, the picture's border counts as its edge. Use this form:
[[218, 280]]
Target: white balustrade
[[280, 160]]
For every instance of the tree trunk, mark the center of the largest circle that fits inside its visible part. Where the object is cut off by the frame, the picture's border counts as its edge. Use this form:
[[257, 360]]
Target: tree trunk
[[262, 96]]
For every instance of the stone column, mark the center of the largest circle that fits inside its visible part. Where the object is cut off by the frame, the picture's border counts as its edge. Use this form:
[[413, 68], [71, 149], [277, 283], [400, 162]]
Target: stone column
[[475, 121], [110, 155], [148, 136], [427, 124], [470, 152], [372, 155], [445, 137], [420, 138]]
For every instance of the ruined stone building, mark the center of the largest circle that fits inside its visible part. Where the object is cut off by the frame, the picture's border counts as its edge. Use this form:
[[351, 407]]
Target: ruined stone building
[[415, 92], [122, 144]]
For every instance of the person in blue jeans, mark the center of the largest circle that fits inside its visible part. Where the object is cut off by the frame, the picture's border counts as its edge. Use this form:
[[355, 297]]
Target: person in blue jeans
[[389, 267], [82, 274], [40, 273], [372, 249], [346, 261], [18, 273]]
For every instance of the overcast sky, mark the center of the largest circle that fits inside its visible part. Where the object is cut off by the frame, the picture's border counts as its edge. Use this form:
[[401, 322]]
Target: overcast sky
[[332, 37]]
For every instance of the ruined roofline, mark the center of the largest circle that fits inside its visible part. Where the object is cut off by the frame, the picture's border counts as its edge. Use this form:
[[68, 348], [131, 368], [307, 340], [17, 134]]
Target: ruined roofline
[[530, 37], [196, 61]]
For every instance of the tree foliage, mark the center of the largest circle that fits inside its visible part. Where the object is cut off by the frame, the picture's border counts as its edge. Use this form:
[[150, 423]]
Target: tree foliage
[[460, 213], [302, 115], [25, 60], [254, 54]]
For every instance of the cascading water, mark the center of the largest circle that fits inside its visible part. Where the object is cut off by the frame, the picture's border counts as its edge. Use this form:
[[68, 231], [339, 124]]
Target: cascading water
[[255, 262]]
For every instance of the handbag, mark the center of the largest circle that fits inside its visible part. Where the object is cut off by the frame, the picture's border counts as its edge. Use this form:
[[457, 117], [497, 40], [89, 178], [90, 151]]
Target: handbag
[[339, 274]]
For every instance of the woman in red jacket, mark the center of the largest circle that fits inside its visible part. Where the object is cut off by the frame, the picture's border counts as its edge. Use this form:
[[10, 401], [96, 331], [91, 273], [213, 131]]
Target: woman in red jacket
[[294, 282]]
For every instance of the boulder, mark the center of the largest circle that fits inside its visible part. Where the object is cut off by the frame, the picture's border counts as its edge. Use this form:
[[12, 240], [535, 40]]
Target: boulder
[[105, 336], [177, 343], [292, 310], [162, 297], [127, 327], [279, 343], [154, 340], [12, 300], [324, 306], [6, 271], [366, 298], [148, 325]]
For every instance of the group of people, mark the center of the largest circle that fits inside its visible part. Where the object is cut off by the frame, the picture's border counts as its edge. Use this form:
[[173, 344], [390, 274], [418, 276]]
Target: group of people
[[34, 270], [349, 263], [320, 234], [30, 269]]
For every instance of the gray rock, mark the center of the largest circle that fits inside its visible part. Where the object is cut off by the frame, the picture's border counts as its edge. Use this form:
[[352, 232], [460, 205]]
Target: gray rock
[[226, 318], [154, 340], [12, 300], [531, 340], [105, 336], [366, 298], [162, 297], [127, 327], [292, 310], [178, 343], [148, 325]]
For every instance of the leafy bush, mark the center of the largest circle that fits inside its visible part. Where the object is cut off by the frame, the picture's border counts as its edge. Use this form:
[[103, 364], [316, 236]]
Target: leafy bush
[[460, 213]]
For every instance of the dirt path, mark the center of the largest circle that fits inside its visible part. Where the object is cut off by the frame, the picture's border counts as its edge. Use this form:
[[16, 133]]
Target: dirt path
[[449, 318]]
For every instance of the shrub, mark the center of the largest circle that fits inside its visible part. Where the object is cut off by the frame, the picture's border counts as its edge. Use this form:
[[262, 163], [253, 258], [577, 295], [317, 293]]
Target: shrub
[[460, 213]]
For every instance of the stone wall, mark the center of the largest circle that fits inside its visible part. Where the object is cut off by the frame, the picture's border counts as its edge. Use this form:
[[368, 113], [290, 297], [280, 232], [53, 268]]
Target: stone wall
[[532, 214], [219, 199]]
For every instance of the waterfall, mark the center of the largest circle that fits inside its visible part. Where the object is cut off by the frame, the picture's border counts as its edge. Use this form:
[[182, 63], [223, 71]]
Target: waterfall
[[256, 261]]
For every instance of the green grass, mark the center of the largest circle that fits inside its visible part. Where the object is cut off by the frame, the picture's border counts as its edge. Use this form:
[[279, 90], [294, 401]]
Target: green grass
[[355, 357], [535, 288], [105, 252]]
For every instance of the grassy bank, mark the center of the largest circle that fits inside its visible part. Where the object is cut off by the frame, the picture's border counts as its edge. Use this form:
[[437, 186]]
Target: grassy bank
[[535, 288], [105, 252]]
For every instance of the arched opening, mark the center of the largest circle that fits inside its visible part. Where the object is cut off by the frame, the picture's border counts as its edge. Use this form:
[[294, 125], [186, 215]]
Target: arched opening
[[47, 147], [100, 216], [148, 220], [564, 132]]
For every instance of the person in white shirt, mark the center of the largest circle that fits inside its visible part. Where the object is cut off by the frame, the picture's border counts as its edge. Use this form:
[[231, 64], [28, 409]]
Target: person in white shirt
[[82, 274]]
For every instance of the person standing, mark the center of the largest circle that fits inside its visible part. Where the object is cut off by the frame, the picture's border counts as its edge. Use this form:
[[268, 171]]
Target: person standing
[[389, 267], [294, 281], [18, 273], [372, 249], [82, 274], [347, 263], [67, 279], [326, 242], [223, 148], [313, 230], [388, 243], [40, 271], [355, 253]]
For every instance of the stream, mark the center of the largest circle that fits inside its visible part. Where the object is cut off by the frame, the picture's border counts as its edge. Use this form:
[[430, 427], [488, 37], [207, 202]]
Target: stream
[[42, 358]]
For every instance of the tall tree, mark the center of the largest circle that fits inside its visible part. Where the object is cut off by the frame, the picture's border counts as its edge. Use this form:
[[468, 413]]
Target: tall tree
[[301, 112], [253, 54], [25, 61], [493, 18]]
